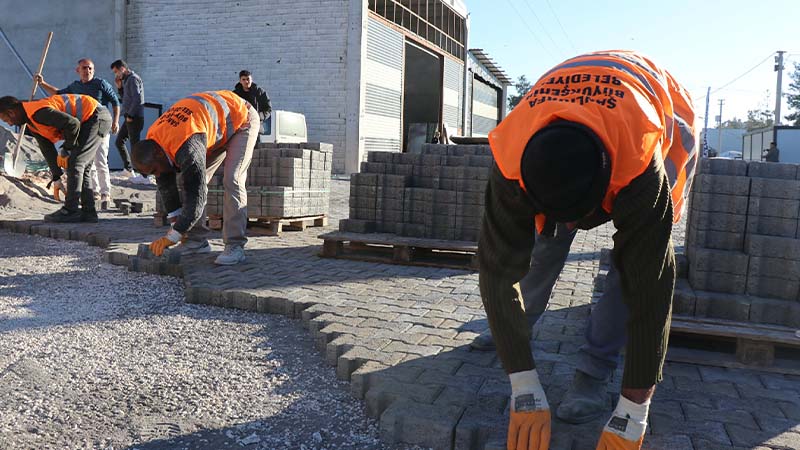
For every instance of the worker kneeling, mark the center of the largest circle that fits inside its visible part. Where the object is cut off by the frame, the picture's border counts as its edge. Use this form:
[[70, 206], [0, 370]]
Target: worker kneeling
[[81, 123], [602, 136], [195, 136]]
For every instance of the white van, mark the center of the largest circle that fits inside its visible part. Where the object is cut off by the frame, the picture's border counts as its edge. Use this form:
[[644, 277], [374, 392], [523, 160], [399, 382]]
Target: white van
[[284, 127]]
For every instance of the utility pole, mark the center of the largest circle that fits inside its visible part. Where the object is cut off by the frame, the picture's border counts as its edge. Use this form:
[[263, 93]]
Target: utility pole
[[719, 128], [705, 124], [778, 93]]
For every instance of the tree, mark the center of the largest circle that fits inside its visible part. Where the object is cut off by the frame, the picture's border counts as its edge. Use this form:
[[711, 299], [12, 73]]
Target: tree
[[793, 97], [734, 123], [759, 118], [522, 86]]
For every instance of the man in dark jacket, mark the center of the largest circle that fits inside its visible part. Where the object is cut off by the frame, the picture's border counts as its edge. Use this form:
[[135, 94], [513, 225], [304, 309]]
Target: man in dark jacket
[[253, 94]]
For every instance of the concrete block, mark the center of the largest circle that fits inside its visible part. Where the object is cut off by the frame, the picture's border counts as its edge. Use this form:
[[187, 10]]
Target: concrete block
[[772, 246], [785, 269], [775, 312], [719, 240], [722, 203], [772, 226], [784, 171], [717, 282], [721, 184], [773, 207], [722, 166], [684, 299], [773, 287], [723, 261], [764, 187], [730, 223], [357, 226], [420, 424], [717, 306]]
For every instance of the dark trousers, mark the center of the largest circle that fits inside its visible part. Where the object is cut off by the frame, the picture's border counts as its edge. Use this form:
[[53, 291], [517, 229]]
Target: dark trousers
[[81, 158], [128, 131]]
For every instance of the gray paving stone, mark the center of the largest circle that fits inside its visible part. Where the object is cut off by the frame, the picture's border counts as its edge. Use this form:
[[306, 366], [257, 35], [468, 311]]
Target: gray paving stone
[[773, 188], [772, 226], [773, 207], [420, 424], [721, 184], [722, 166], [776, 312], [765, 286], [763, 169], [477, 427], [381, 396], [717, 282], [708, 260], [714, 431], [747, 438], [722, 306]]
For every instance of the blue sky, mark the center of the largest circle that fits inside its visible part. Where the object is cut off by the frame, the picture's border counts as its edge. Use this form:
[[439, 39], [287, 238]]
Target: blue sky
[[702, 42]]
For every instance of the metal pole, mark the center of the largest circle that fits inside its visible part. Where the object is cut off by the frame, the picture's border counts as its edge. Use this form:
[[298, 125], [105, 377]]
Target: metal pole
[[705, 125], [719, 129], [778, 89]]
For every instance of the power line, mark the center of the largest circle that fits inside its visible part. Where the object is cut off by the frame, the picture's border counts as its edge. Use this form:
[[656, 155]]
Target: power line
[[569, 39], [525, 22], [542, 27], [740, 76]]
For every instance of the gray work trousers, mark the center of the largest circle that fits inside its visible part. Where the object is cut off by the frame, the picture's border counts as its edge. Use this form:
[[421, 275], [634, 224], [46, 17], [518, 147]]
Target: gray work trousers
[[81, 160], [606, 327], [235, 157]]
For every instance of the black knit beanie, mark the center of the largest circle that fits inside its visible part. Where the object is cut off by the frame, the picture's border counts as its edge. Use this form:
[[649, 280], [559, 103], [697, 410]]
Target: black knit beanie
[[566, 170]]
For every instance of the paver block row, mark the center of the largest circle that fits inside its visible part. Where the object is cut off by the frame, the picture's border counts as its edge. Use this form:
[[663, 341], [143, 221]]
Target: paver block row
[[763, 169]]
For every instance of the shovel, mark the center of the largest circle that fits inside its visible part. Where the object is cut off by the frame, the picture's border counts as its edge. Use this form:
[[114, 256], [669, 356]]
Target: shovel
[[12, 163]]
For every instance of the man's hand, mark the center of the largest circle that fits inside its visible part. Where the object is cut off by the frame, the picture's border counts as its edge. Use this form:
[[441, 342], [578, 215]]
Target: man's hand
[[529, 425], [114, 127], [625, 429], [159, 245], [62, 160], [38, 78]]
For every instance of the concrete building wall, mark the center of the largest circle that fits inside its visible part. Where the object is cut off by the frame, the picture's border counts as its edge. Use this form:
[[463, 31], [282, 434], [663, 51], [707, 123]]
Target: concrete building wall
[[82, 28], [295, 49]]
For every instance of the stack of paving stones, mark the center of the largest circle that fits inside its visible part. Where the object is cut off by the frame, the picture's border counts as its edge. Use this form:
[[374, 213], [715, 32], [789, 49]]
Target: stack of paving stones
[[284, 180], [436, 193], [743, 244]]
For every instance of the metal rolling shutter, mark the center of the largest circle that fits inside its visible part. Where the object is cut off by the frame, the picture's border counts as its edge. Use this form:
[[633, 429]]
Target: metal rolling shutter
[[453, 91], [485, 109], [382, 127]]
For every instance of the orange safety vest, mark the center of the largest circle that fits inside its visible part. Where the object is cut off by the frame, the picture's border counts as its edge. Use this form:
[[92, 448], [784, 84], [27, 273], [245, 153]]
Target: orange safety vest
[[637, 109], [82, 107], [217, 114]]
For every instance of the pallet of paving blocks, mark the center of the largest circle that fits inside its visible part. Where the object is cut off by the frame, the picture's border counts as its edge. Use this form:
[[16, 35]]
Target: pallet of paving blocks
[[288, 187], [743, 250], [434, 197]]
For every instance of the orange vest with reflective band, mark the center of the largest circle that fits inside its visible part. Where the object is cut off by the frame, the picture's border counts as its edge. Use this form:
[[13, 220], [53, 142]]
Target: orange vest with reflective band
[[79, 106], [637, 109], [217, 114]]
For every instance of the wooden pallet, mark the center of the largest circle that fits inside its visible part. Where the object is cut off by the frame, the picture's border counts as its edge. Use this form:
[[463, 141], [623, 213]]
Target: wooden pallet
[[732, 344], [273, 226], [394, 249]]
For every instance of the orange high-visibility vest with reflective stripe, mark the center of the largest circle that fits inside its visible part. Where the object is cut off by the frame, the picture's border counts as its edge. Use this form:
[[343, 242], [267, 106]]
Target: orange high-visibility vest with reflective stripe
[[79, 106], [637, 109], [217, 114]]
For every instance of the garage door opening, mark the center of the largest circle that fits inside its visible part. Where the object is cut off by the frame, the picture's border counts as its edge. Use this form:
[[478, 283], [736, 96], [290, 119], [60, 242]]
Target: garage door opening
[[422, 99]]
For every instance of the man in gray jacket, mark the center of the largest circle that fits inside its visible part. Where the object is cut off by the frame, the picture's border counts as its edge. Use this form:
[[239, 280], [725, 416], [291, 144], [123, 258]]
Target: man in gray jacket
[[131, 89]]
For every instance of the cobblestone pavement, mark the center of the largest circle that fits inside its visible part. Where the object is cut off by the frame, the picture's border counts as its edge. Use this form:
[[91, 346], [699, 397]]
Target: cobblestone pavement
[[94, 356], [400, 335]]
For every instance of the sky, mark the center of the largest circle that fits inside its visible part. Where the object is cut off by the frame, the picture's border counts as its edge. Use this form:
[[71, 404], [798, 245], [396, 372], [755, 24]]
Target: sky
[[703, 43]]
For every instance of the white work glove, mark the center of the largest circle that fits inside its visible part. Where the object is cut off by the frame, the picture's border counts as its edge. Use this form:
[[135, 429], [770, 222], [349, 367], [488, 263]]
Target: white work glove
[[625, 429], [529, 424]]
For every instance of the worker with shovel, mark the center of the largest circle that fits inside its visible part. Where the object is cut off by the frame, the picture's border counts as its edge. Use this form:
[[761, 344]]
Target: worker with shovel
[[81, 124], [195, 136], [606, 136]]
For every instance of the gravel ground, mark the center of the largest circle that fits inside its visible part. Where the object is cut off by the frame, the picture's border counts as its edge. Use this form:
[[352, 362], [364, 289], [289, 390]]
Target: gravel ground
[[94, 356]]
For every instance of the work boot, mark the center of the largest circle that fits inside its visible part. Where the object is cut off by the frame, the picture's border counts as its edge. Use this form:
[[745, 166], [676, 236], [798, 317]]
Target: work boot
[[63, 215], [585, 400], [89, 215], [233, 254], [483, 342]]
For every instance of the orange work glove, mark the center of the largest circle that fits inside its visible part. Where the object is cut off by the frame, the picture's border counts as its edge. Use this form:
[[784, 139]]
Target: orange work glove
[[62, 161], [529, 424], [159, 245], [625, 429]]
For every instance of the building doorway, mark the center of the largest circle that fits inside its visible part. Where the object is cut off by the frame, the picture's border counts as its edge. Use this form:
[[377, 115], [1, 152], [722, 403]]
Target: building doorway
[[422, 92]]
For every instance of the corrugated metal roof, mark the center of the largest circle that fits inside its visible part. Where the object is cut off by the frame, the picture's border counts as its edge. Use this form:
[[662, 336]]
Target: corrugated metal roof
[[490, 65]]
